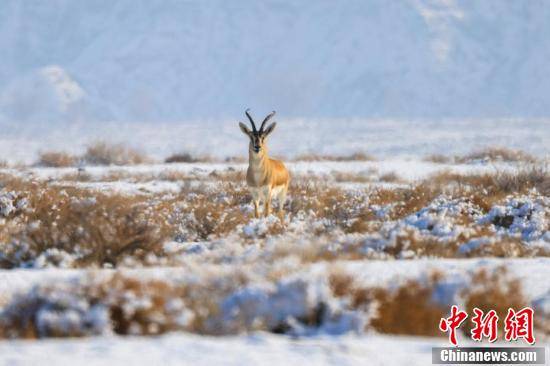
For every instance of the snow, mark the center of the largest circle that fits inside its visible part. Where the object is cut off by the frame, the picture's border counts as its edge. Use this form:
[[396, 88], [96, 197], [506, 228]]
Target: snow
[[280, 307], [525, 215], [221, 138], [254, 349], [407, 169], [531, 271]]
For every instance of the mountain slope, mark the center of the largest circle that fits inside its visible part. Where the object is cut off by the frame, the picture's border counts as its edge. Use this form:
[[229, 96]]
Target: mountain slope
[[173, 60]]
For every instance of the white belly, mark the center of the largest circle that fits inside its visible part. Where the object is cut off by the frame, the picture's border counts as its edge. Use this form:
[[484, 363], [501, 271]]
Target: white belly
[[259, 193], [262, 193]]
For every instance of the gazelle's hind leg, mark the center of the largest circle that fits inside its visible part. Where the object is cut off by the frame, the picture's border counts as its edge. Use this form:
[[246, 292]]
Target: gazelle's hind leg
[[267, 204], [281, 199]]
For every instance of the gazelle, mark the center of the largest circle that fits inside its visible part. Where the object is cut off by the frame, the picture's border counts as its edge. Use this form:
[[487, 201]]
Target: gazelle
[[266, 177]]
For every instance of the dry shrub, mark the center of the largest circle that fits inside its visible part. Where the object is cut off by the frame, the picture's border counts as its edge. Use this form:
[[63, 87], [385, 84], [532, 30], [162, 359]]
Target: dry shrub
[[504, 247], [337, 207], [186, 157], [132, 306], [497, 154], [236, 159], [358, 156], [486, 189], [530, 176], [114, 175], [159, 315], [56, 159], [93, 227], [347, 177], [493, 290], [120, 304], [411, 241], [405, 201], [211, 213], [438, 159], [421, 246], [390, 177], [410, 308], [101, 153]]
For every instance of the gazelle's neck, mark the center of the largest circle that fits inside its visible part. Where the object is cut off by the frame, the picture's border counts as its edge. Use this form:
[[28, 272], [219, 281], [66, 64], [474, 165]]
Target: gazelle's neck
[[257, 159]]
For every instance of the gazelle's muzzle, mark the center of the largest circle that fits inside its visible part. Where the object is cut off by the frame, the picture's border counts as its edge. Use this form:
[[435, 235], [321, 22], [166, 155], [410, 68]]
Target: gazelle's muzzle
[[256, 146]]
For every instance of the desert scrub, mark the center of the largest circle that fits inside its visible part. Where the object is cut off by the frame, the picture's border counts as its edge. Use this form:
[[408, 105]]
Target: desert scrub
[[357, 156], [56, 159], [81, 228], [101, 153], [493, 290], [334, 206], [117, 304], [207, 213], [187, 157], [131, 306], [496, 153], [233, 302], [486, 155], [488, 188], [415, 306]]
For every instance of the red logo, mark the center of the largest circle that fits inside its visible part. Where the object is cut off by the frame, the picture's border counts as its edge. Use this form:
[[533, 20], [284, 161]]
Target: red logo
[[485, 325], [519, 325], [516, 325], [452, 323]]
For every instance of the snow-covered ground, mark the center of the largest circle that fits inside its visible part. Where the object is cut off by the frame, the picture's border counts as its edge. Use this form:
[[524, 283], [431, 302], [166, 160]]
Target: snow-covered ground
[[532, 272], [258, 348], [255, 349], [160, 175], [243, 251]]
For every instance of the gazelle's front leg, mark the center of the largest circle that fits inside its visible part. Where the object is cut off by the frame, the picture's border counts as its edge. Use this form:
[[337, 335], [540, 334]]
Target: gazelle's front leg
[[267, 204], [256, 208], [256, 196]]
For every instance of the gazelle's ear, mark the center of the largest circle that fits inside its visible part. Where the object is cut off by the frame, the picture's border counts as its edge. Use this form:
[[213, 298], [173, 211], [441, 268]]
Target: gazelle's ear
[[245, 129], [270, 128]]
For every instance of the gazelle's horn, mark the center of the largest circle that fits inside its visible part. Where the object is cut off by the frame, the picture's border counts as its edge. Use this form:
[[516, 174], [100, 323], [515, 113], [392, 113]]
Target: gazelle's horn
[[251, 120], [265, 120]]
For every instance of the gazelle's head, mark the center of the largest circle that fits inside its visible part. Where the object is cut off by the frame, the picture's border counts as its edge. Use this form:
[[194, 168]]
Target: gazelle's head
[[258, 137]]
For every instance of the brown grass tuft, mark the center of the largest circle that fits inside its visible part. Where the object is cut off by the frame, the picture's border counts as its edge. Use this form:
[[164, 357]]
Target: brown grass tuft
[[489, 188], [497, 154], [409, 309], [358, 156], [390, 177], [101, 153], [493, 290], [186, 157], [120, 304], [438, 159], [95, 228], [56, 159]]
